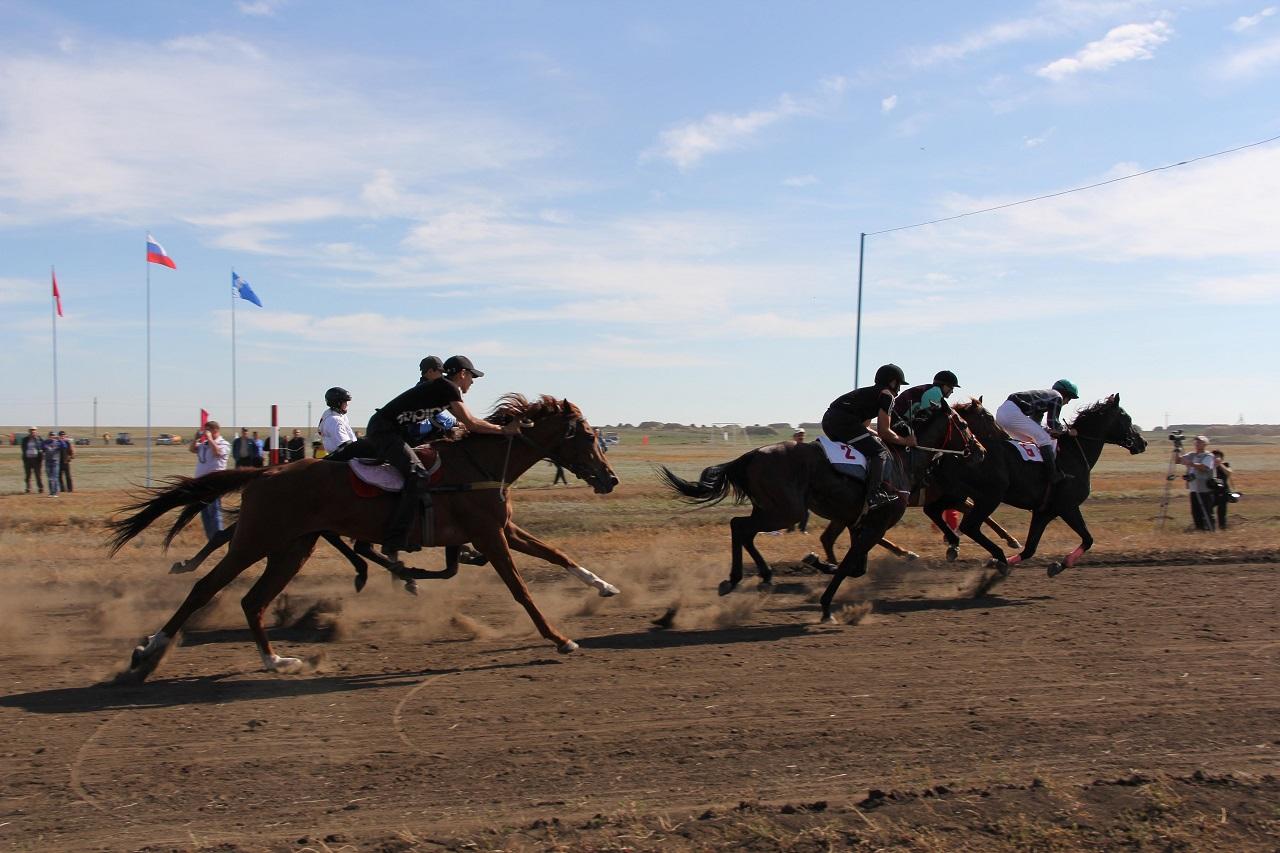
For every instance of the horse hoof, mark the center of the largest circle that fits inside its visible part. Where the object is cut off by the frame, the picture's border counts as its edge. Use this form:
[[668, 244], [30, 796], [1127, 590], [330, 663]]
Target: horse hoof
[[1056, 569], [1014, 543], [1002, 569], [608, 589], [829, 619], [953, 553], [411, 587], [765, 585], [911, 556], [179, 568], [727, 587], [360, 581], [567, 647], [284, 666]]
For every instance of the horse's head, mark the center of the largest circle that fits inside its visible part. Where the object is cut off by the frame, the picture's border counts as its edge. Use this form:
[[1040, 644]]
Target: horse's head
[[1109, 423], [981, 422], [559, 432], [942, 428]]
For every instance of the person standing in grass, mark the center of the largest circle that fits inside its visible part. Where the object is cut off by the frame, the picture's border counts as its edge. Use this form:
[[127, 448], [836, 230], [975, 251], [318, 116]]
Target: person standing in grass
[[211, 451], [1222, 488], [68, 453], [32, 458], [52, 448]]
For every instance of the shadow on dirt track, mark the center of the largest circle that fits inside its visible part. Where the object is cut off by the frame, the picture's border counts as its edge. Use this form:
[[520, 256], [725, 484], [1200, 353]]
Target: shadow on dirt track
[[228, 687], [660, 638]]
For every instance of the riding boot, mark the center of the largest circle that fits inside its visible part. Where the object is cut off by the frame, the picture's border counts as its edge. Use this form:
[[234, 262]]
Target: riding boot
[[396, 538], [875, 495], [1050, 454]]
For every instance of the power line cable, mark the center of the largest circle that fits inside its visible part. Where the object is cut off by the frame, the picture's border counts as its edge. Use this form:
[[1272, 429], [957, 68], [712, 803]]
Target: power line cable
[[1076, 189]]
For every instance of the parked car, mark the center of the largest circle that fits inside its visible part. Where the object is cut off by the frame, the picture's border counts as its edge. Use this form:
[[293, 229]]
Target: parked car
[[81, 442], [610, 439], [168, 438], [123, 438]]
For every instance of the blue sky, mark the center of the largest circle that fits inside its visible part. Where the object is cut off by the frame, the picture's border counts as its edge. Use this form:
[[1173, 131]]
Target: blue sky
[[652, 209]]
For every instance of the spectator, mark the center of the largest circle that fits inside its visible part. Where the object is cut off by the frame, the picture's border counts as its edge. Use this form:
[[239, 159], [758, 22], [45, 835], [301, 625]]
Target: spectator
[[242, 449], [211, 451], [68, 453], [295, 447], [52, 448], [1199, 477], [32, 458], [1223, 488], [559, 477], [260, 450], [106, 438]]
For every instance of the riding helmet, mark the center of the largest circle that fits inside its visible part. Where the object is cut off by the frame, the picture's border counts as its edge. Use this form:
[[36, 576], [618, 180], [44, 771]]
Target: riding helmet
[[335, 397], [454, 363], [1067, 388], [946, 377], [889, 372]]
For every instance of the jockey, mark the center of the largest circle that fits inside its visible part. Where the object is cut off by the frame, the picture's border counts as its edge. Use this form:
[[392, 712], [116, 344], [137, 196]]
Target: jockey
[[392, 426], [335, 429], [920, 397], [847, 418], [431, 368], [1020, 417], [439, 424]]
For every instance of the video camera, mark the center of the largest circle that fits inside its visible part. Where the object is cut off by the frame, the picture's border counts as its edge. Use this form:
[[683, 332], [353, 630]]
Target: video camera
[[1177, 438]]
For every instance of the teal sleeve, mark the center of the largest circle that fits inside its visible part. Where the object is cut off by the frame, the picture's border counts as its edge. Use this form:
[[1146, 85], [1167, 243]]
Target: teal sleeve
[[932, 397]]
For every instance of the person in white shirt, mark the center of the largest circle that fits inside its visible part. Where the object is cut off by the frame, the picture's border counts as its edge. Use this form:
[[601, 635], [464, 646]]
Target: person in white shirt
[[335, 429], [211, 451], [1200, 471]]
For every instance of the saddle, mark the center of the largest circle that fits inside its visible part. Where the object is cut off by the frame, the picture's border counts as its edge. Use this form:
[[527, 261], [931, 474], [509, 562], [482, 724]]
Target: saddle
[[370, 478], [1028, 450]]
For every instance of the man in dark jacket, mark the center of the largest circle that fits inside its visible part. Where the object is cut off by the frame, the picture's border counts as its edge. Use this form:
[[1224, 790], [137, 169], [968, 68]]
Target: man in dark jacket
[[66, 455], [33, 458]]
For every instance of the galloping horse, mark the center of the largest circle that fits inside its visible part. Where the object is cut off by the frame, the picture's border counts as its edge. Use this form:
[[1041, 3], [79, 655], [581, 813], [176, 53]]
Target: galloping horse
[[1005, 478], [782, 480], [285, 509]]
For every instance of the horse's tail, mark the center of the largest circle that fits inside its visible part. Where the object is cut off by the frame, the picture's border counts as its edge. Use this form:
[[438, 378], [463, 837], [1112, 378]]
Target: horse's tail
[[715, 483], [190, 494]]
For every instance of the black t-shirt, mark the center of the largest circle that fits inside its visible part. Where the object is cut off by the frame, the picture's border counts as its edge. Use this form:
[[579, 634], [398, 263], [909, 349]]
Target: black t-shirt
[[417, 404], [864, 403], [297, 448]]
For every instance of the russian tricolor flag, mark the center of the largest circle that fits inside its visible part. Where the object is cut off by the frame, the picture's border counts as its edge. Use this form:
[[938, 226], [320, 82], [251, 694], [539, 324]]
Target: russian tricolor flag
[[157, 255]]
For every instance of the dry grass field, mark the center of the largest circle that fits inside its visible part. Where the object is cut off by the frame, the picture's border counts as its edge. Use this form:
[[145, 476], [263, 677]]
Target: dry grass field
[[1132, 703]]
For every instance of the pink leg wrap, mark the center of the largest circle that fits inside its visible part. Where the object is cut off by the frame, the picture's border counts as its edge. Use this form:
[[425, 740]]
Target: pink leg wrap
[[1014, 560], [1073, 556]]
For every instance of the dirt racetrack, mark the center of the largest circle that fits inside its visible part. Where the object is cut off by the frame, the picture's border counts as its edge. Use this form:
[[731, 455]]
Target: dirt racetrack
[[1132, 703], [440, 721]]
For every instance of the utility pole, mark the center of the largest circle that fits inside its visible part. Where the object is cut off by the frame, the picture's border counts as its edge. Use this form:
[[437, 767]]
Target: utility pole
[[308, 422], [95, 417]]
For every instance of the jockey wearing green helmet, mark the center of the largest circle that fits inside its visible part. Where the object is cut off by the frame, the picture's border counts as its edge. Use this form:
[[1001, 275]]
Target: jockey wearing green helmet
[[1020, 416]]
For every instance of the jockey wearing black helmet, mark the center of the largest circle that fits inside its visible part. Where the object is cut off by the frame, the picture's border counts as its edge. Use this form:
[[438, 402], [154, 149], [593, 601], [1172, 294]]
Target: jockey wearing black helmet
[[335, 429], [847, 418], [920, 397]]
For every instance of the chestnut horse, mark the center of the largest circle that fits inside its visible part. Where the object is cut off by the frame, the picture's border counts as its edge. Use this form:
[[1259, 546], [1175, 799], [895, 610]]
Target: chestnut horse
[[782, 480], [285, 509], [1004, 478]]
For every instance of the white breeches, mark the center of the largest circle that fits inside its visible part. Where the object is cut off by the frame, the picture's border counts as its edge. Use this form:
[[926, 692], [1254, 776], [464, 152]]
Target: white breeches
[[1021, 427]]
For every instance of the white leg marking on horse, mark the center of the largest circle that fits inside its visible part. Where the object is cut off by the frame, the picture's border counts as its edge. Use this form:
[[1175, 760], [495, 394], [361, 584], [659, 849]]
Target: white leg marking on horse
[[594, 581], [275, 663], [157, 641]]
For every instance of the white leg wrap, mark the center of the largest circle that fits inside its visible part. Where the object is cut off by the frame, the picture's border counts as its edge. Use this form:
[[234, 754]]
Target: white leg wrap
[[157, 642], [592, 580], [275, 663]]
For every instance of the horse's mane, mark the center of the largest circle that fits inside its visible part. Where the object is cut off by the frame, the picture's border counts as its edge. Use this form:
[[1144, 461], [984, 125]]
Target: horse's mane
[[981, 421], [512, 406], [1106, 406]]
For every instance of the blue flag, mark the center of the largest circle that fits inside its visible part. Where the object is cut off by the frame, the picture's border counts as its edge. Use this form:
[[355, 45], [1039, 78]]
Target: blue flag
[[242, 287]]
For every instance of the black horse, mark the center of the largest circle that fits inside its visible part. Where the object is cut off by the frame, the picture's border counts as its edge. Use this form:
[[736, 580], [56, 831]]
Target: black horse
[[1003, 477], [782, 480]]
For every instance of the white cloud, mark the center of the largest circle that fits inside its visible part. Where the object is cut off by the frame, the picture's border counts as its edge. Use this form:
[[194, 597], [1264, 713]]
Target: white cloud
[[799, 181], [1125, 43], [887, 104], [14, 290], [687, 144], [1248, 22], [259, 8], [1037, 141], [1251, 61], [213, 128], [1254, 289]]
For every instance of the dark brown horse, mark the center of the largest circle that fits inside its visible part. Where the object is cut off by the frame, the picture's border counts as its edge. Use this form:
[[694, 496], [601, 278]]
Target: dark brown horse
[[1004, 477], [285, 509], [782, 480]]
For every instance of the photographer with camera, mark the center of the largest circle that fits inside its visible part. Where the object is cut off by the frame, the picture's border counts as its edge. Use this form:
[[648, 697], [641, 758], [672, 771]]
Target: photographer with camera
[[1223, 491], [211, 451], [1199, 477]]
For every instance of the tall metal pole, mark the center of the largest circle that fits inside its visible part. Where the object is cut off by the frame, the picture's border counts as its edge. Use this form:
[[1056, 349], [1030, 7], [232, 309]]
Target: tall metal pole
[[148, 373], [95, 419], [53, 314], [857, 346], [308, 422], [234, 419]]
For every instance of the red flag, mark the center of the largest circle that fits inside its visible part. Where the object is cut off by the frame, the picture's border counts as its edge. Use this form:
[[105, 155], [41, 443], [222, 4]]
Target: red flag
[[204, 419], [57, 297]]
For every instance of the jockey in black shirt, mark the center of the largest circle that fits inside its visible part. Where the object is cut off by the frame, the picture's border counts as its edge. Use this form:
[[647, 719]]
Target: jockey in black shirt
[[392, 425], [847, 418]]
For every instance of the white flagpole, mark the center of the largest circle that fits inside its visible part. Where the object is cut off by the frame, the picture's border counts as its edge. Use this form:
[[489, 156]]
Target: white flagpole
[[148, 372], [235, 420], [53, 312]]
